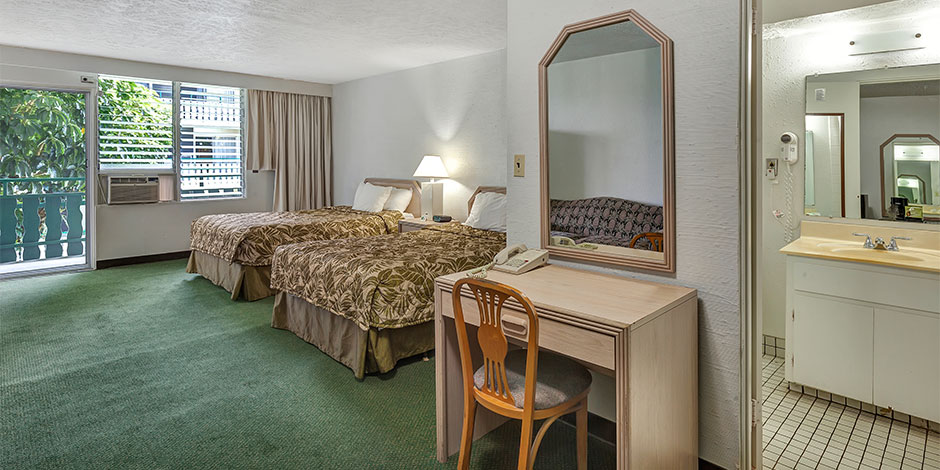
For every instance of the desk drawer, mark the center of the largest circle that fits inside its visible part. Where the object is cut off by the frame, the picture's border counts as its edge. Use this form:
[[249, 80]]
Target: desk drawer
[[580, 343]]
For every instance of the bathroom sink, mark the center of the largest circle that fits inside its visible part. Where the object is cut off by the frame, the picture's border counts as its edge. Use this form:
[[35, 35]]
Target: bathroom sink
[[868, 252]]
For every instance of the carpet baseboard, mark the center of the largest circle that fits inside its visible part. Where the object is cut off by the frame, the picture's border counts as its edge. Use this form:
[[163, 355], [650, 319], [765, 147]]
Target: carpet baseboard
[[110, 263]]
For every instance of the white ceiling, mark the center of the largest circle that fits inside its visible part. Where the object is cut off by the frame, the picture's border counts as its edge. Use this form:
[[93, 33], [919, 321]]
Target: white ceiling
[[314, 40], [780, 10]]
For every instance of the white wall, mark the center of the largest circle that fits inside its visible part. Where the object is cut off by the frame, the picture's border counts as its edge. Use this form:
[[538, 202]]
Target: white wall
[[595, 146], [793, 50], [705, 34], [883, 117], [144, 229], [383, 125]]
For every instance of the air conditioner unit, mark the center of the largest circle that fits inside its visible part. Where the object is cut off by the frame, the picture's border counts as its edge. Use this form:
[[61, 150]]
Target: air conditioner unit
[[133, 189]]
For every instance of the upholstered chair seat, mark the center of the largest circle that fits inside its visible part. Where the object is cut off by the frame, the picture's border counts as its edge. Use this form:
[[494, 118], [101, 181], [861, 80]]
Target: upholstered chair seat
[[559, 379]]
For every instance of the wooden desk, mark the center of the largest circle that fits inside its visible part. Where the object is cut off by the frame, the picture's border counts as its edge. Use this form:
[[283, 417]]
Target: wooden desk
[[643, 334]]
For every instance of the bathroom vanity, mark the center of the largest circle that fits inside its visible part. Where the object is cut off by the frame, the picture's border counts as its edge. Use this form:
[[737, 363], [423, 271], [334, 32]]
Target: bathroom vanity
[[864, 323]]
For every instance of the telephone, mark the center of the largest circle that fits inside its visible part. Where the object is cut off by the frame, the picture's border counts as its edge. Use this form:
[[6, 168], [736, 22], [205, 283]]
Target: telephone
[[515, 259]]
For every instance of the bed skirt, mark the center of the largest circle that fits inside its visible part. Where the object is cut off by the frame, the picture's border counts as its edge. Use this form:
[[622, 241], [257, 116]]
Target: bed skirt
[[251, 282], [365, 352]]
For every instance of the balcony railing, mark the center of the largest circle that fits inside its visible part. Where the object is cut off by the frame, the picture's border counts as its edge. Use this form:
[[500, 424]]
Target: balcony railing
[[41, 218]]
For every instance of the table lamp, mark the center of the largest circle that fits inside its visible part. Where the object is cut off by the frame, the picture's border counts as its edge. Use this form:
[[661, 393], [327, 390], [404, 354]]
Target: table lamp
[[432, 193]]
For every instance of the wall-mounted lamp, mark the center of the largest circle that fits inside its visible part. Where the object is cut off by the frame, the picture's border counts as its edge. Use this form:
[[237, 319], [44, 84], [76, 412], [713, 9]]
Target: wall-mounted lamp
[[432, 194], [892, 41]]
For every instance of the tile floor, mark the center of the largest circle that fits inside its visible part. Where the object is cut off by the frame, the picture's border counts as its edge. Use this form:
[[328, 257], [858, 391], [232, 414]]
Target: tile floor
[[805, 432]]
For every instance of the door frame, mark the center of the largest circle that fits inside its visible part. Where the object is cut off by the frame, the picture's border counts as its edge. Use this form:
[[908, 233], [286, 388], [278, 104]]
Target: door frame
[[841, 117], [36, 78], [750, 234]]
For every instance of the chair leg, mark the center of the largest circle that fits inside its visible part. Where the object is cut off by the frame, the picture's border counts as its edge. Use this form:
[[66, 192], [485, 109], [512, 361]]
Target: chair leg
[[581, 422], [466, 438], [526, 460]]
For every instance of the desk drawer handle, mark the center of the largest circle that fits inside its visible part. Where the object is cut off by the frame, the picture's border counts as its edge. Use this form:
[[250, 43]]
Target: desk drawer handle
[[515, 325]]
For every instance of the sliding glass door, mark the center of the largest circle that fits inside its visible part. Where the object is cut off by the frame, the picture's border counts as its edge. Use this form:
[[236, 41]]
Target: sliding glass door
[[44, 180]]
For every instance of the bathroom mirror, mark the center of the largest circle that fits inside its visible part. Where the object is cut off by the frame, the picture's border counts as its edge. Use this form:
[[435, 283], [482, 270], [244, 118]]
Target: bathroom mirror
[[607, 145], [871, 148]]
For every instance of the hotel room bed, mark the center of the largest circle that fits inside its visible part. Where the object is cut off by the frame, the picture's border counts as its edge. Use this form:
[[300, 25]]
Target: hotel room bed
[[234, 250], [370, 302]]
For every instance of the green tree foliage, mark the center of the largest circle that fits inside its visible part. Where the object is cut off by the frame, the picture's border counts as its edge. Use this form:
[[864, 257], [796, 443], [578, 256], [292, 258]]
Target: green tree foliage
[[42, 133]]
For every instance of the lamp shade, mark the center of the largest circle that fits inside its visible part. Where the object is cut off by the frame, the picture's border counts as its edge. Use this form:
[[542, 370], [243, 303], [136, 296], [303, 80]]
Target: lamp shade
[[431, 167]]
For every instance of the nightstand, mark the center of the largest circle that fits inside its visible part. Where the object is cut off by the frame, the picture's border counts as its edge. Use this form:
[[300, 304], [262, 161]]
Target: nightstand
[[410, 225]]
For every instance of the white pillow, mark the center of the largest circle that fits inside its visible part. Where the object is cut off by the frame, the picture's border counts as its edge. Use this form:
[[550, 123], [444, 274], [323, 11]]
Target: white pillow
[[398, 200], [370, 197], [488, 212]]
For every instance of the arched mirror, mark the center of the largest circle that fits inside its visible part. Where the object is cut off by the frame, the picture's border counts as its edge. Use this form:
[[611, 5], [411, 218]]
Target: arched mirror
[[607, 145], [910, 176]]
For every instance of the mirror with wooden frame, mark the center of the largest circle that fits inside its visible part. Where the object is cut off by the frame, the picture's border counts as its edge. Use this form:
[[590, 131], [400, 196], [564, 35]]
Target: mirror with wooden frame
[[607, 144]]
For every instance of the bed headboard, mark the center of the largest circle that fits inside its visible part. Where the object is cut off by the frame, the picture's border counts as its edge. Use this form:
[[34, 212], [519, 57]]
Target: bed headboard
[[414, 207], [484, 189]]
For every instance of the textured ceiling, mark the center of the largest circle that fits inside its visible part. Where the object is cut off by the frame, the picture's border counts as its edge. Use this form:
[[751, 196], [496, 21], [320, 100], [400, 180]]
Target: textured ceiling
[[315, 40]]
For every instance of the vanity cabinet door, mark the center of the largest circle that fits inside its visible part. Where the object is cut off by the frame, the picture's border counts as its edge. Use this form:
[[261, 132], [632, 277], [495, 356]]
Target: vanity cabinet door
[[907, 361], [831, 345]]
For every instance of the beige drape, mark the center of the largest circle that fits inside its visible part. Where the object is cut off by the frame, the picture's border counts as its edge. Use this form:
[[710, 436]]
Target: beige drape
[[290, 134]]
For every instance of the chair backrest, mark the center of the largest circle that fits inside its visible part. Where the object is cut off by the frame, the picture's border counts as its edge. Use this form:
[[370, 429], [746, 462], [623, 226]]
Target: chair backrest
[[490, 297], [655, 240]]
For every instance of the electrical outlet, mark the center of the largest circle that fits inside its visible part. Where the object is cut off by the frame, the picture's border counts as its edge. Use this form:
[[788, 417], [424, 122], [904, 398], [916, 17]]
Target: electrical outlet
[[518, 165], [770, 171]]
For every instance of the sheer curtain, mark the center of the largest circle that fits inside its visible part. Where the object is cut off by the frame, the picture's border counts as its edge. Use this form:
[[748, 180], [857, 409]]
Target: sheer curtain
[[290, 134]]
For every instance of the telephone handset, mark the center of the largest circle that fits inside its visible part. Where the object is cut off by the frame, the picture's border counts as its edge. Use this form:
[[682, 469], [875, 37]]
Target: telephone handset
[[515, 259], [559, 240]]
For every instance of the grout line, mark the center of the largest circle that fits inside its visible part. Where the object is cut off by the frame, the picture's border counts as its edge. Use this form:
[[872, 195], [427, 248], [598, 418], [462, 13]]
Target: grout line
[[813, 433], [833, 433], [848, 439], [784, 420], [887, 440], [870, 432], [798, 426]]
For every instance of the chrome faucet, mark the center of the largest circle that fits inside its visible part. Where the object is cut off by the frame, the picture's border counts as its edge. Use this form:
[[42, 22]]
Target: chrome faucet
[[868, 243], [880, 243], [893, 246]]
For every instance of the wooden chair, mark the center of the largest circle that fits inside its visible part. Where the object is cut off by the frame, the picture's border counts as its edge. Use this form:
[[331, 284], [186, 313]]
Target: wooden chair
[[523, 384], [655, 238]]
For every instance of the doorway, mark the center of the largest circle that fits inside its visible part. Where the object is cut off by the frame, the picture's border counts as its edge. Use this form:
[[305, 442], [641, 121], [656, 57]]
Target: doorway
[[834, 379], [45, 179]]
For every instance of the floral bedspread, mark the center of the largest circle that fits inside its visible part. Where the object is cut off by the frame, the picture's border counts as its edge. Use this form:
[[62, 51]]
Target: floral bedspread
[[385, 281], [251, 238]]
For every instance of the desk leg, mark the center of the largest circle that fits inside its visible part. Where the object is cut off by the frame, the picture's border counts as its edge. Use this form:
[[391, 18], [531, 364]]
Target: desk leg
[[623, 400], [449, 386], [441, 357]]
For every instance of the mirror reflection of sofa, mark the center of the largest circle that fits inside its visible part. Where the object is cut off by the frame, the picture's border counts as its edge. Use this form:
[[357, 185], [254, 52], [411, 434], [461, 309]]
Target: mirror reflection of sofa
[[608, 221]]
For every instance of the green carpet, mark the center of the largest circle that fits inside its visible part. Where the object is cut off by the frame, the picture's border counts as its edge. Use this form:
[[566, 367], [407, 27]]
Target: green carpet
[[149, 367]]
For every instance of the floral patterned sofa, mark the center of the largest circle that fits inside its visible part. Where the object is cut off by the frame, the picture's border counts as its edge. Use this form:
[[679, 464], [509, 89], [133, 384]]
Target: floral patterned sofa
[[605, 220]]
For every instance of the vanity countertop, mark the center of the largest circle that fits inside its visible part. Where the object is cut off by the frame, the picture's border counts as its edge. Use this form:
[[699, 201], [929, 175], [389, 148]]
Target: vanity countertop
[[851, 250]]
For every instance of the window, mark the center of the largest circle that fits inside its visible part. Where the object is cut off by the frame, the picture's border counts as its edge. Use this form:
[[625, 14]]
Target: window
[[135, 124], [210, 141], [201, 142]]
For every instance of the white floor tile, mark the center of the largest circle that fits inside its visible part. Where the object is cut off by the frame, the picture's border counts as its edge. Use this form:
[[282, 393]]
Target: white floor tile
[[806, 432]]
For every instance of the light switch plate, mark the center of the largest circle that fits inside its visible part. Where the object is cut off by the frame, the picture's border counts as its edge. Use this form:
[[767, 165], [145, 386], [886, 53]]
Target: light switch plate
[[518, 165]]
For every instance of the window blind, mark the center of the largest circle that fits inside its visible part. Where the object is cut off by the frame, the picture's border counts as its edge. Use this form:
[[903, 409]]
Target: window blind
[[135, 123], [210, 120]]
